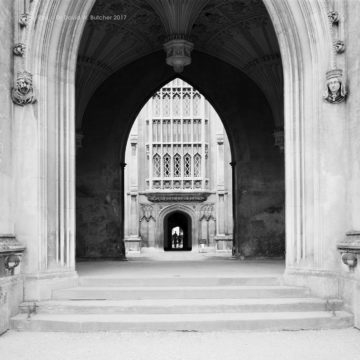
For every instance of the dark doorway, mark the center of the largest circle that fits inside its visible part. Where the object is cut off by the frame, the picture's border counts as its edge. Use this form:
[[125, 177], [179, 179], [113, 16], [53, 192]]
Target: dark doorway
[[177, 232]]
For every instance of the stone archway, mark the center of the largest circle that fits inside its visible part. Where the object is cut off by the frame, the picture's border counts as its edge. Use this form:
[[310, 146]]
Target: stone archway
[[162, 224], [177, 232], [47, 225]]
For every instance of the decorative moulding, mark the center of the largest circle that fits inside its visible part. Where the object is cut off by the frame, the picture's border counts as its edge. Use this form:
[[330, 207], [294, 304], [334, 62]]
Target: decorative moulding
[[334, 17], [19, 49], [174, 197], [339, 46], [24, 20], [350, 249], [23, 92]]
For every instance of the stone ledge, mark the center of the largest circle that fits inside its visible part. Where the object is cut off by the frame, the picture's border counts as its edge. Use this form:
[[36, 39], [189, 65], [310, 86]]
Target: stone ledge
[[9, 245], [350, 248], [132, 244], [10, 254]]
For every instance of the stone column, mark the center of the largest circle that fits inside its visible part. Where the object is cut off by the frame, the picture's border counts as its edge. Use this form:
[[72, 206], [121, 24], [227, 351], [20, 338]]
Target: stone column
[[220, 187], [236, 245], [122, 208], [6, 161], [132, 239]]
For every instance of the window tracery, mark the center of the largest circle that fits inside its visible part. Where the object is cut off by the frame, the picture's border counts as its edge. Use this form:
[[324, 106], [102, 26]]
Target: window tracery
[[177, 165], [156, 165], [156, 104], [187, 165], [197, 165], [167, 165], [177, 143]]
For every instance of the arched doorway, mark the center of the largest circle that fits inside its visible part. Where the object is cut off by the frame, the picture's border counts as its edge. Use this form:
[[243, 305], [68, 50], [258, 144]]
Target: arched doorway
[[177, 232], [55, 176]]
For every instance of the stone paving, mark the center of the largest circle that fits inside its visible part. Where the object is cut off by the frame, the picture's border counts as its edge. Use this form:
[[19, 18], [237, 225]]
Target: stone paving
[[181, 264], [293, 345], [299, 345]]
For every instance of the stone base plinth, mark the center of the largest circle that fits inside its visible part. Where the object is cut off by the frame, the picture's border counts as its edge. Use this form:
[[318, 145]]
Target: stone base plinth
[[11, 296], [224, 243], [343, 285], [40, 286], [132, 244]]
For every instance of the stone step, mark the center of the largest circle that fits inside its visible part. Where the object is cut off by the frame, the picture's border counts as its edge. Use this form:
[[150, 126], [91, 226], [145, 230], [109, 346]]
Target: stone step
[[182, 306], [178, 281], [182, 322], [178, 292]]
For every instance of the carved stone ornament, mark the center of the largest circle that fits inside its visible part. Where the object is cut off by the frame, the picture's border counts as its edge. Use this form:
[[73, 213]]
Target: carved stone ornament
[[335, 91], [177, 197], [339, 46], [19, 49], [23, 92], [207, 212], [178, 53], [24, 20], [146, 213], [333, 17], [279, 139], [350, 249], [10, 254]]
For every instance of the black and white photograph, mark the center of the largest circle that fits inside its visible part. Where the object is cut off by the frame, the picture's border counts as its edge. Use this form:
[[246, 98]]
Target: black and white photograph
[[179, 179]]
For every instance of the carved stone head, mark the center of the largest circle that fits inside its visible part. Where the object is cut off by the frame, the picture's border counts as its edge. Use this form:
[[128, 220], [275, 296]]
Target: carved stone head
[[335, 91], [23, 92]]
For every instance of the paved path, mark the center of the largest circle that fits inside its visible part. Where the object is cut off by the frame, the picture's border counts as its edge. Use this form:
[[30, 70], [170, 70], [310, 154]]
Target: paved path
[[300, 345], [180, 264]]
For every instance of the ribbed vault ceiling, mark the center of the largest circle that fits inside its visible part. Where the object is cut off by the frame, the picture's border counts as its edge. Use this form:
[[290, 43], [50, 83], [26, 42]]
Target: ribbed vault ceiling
[[238, 32]]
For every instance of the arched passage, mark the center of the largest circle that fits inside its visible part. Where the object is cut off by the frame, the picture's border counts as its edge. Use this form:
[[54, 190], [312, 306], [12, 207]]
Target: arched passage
[[52, 60], [246, 116], [177, 232]]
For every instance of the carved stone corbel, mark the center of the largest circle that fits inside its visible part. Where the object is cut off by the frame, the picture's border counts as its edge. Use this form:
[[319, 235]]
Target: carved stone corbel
[[23, 92], [335, 89], [350, 249], [10, 254]]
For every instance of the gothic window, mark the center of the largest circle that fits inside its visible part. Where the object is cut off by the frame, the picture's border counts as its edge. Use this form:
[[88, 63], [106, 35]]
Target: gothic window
[[166, 102], [196, 104], [176, 146], [187, 165], [156, 165], [197, 130], [156, 105], [177, 131], [167, 168], [187, 130], [197, 165], [176, 102], [186, 102], [166, 131], [177, 165], [156, 131]]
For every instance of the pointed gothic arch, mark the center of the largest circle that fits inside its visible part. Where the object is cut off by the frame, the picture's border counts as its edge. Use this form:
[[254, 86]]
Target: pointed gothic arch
[[51, 59]]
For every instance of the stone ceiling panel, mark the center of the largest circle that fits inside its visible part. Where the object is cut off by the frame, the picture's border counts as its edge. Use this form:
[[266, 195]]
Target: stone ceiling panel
[[238, 32]]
